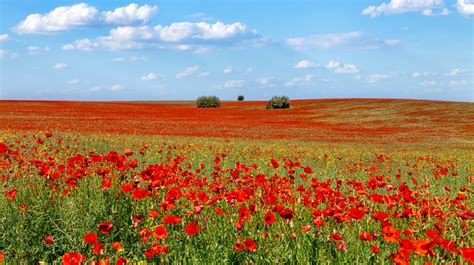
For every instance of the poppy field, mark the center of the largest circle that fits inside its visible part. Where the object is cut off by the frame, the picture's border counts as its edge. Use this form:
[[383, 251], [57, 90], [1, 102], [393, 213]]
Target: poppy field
[[351, 181]]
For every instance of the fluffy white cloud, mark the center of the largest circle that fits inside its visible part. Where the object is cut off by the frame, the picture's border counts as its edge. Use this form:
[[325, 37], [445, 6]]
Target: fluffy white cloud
[[188, 72], [347, 69], [234, 83], [265, 81], [148, 77], [79, 15], [423, 74], [180, 36], [355, 39], [303, 64], [465, 8], [73, 81], [342, 68], [60, 66], [8, 54], [307, 79], [228, 70], [426, 7], [3, 37], [113, 88], [130, 14], [379, 77], [454, 72]]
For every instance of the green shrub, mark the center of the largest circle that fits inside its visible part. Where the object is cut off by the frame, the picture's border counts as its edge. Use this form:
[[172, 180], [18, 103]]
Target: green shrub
[[208, 102], [279, 102], [240, 98]]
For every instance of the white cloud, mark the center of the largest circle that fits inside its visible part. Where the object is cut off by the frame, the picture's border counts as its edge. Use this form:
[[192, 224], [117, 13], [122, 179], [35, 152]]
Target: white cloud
[[8, 54], [60, 66], [130, 59], [130, 14], [454, 72], [465, 9], [333, 64], [347, 69], [187, 72], [265, 81], [203, 74], [113, 88], [426, 7], [80, 15], [342, 68], [148, 77], [37, 49], [185, 36], [303, 64], [355, 39], [3, 37], [234, 83], [73, 81], [83, 44], [228, 70], [307, 79], [379, 77], [422, 74]]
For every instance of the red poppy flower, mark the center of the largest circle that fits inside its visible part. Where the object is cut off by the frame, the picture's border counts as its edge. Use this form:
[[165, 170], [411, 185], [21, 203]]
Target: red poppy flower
[[90, 238], [390, 233], [287, 214], [73, 258], [105, 227], [192, 229], [117, 246], [356, 213], [424, 247], [467, 254], [269, 218], [365, 236], [11, 194], [121, 261], [160, 232], [335, 236], [274, 163], [1, 257], [171, 220], [375, 249], [243, 214], [128, 152], [250, 245], [48, 240]]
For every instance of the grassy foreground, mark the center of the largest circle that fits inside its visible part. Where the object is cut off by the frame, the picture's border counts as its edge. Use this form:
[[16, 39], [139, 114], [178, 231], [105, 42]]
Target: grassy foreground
[[72, 197]]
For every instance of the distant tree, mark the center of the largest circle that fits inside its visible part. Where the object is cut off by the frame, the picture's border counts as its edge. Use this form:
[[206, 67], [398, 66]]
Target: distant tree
[[208, 102], [279, 102], [240, 98]]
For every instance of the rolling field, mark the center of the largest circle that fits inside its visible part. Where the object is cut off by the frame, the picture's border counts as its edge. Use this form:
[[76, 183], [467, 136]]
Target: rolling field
[[336, 181]]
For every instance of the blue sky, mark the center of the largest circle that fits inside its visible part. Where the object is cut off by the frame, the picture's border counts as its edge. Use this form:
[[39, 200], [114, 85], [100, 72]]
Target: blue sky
[[181, 49]]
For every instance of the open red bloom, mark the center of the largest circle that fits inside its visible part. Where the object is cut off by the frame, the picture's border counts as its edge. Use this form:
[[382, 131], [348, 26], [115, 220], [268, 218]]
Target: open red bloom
[[171, 220], [424, 247], [160, 232], [269, 218], [90, 238], [192, 229], [287, 214], [1, 257], [243, 214], [117, 246], [105, 227], [356, 213], [73, 258], [11, 194], [250, 245], [390, 233], [467, 254], [274, 163]]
